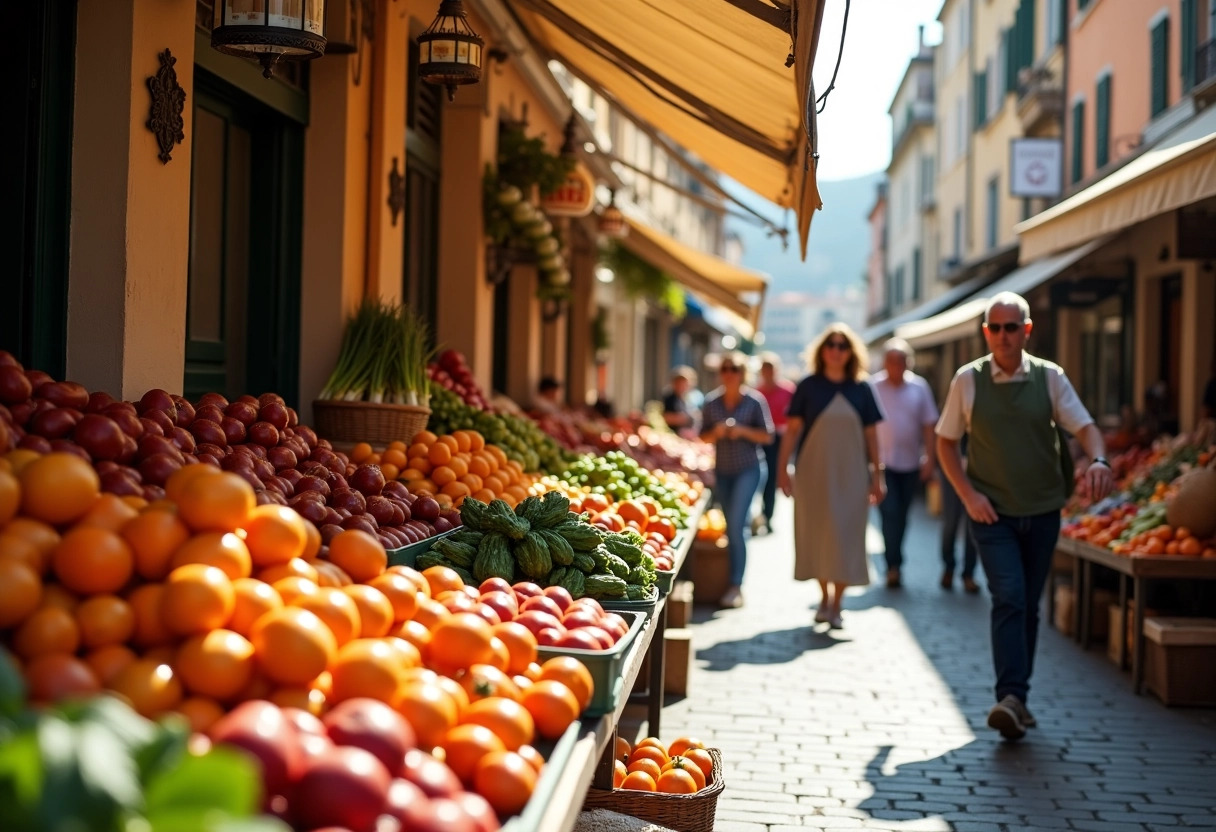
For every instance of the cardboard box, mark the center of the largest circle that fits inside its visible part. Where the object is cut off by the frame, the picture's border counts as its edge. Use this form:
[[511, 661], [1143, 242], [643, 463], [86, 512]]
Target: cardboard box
[[1116, 636], [1099, 618], [1063, 609], [710, 570], [679, 604], [677, 671], [1180, 660]]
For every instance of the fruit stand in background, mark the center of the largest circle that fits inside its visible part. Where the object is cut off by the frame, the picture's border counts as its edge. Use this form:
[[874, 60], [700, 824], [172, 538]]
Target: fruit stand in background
[[218, 563], [1159, 525]]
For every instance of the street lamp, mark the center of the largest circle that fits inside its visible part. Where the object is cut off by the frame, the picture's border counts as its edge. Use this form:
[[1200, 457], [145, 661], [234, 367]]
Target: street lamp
[[269, 30], [449, 51]]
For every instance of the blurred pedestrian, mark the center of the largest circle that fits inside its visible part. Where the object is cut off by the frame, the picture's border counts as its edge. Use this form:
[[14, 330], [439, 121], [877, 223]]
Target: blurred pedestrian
[[907, 445], [1012, 405], [548, 396], [831, 437], [954, 516], [777, 392], [678, 411], [736, 419]]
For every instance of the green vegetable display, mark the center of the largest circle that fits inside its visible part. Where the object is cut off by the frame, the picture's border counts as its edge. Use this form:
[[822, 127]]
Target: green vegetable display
[[520, 439], [621, 477]]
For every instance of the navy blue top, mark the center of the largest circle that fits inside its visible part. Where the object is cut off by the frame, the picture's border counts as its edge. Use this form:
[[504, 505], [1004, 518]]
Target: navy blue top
[[737, 455], [815, 393]]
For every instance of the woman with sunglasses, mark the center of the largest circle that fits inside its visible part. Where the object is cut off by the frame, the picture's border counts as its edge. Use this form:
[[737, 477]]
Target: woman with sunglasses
[[736, 419], [832, 439]]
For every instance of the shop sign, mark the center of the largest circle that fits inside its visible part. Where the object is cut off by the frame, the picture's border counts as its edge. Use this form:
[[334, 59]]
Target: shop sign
[[1036, 167]]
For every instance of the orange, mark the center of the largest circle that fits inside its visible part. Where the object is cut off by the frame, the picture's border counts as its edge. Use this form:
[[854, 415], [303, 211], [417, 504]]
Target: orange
[[375, 610], [110, 512], [58, 676], [176, 484], [442, 475], [465, 745], [294, 568], [18, 548], [196, 598], [20, 591], [293, 589], [506, 780], [404, 652], [459, 467], [330, 574], [18, 458], [312, 540], [366, 667], [424, 437], [520, 643], [393, 456], [292, 645], [622, 748], [439, 454], [150, 629], [223, 550], [108, 660], [306, 699], [90, 561], [46, 630], [552, 705], [639, 781], [684, 764], [676, 781], [415, 633], [476, 441], [682, 744], [336, 609], [415, 577], [430, 613], [459, 641], [505, 717], [482, 681], [104, 620], [654, 742], [10, 497], [252, 599], [58, 488], [430, 709], [649, 752], [200, 712], [360, 452], [153, 537], [359, 554], [442, 579], [275, 534], [649, 766], [215, 502], [619, 772], [401, 594], [151, 687], [218, 664], [53, 595], [701, 758], [43, 537], [573, 674]]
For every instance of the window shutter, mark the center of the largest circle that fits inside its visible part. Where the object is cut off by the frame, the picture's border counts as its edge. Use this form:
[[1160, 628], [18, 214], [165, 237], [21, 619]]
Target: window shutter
[[1028, 30], [981, 99], [1102, 125], [1187, 44], [916, 275], [1078, 139], [1160, 71], [1011, 40]]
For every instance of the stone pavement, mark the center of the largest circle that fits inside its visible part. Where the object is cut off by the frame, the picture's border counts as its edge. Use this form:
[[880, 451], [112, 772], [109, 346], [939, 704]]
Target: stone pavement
[[881, 725]]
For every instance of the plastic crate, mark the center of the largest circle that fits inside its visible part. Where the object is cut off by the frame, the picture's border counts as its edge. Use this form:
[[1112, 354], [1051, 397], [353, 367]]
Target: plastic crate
[[622, 604], [606, 666], [408, 555]]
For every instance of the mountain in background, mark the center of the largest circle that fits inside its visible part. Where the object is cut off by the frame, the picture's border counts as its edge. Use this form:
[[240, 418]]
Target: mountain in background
[[839, 242]]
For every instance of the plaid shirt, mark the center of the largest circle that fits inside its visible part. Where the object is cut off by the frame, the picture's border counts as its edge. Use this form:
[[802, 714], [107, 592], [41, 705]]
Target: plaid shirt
[[737, 455]]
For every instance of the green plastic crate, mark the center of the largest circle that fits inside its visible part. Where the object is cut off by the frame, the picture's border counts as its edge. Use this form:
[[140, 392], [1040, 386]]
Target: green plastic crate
[[645, 606], [408, 555], [606, 666]]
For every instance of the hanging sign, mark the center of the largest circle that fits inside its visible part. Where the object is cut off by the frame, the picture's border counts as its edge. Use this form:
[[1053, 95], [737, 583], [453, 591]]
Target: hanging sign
[[1036, 167], [575, 197]]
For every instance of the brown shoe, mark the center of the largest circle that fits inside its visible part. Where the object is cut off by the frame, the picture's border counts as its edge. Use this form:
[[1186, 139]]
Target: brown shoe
[[947, 581], [893, 579], [971, 586]]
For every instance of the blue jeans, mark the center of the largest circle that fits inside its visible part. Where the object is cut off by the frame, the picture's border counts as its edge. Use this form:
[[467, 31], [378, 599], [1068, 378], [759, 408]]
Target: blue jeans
[[1016, 553], [901, 488], [735, 493], [770, 478], [953, 514]]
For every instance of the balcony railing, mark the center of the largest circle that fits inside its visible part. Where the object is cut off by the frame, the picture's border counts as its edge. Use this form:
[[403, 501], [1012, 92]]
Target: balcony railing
[[1205, 62], [1040, 96]]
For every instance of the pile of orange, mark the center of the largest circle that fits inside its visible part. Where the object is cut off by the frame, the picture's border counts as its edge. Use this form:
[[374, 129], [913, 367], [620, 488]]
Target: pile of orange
[[458, 465], [203, 600], [683, 767]]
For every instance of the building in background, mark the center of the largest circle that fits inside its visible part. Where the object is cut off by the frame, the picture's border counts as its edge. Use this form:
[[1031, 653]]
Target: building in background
[[793, 319], [876, 261]]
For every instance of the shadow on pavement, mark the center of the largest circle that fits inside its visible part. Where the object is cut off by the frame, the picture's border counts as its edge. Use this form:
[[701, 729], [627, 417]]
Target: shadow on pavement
[[770, 647]]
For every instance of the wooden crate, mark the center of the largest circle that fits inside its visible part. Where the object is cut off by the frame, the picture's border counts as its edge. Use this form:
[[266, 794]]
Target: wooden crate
[[710, 570], [1180, 660], [679, 604]]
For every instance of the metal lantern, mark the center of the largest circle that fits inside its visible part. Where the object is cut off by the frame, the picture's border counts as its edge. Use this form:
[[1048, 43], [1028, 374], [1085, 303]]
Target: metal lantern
[[612, 221], [575, 197], [449, 51], [269, 30]]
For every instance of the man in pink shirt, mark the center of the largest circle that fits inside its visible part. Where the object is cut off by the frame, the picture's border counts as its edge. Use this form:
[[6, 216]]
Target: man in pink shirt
[[777, 392]]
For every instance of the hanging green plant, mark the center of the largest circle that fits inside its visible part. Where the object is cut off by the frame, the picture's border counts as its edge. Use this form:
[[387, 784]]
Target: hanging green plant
[[641, 278], [600, 340], [523, 162]]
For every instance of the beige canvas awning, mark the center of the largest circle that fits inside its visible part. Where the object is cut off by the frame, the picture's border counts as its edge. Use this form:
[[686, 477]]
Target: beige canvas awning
[[1178, 171], [733, 288], [706, 73]]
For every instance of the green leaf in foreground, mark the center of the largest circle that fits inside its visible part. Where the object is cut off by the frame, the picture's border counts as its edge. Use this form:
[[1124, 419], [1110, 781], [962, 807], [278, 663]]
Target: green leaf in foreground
[[221, 779]]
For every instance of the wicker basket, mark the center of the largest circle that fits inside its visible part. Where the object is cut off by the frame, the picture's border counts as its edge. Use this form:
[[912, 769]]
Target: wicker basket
[[681, 812], [376, 424]]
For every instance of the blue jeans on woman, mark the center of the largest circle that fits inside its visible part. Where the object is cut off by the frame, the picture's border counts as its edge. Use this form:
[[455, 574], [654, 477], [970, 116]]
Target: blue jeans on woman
[[1016, 553], [735, 493]]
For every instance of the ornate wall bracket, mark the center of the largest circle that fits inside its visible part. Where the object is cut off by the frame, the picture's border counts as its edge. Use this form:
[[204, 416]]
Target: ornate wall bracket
[[500, 259], [553, 308], [396, 191], [168, 102]]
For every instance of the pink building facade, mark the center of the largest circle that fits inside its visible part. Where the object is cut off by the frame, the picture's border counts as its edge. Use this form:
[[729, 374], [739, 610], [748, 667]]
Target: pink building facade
[[876, 264]]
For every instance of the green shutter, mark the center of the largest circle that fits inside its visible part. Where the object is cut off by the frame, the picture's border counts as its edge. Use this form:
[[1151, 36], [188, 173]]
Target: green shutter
[[1159, 72], [1010, 41], [1188, 44], [1081, 4], [981, 99], [1102, 126], [1078, 140], [1028, 30]]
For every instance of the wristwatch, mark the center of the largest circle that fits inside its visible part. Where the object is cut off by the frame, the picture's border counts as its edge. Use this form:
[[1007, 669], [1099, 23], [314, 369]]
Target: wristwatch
[[1100, 460]]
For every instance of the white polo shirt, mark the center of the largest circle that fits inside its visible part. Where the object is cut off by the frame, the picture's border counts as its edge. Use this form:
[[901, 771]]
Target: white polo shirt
[[1066, 407], [908, 408]]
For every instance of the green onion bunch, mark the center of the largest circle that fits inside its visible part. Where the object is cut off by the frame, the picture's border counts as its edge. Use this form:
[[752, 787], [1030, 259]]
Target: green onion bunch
[[383, 358]]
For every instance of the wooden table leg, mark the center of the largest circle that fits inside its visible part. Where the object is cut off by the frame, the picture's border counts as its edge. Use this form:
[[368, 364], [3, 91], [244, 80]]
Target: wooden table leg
[[658, 658], [605, 770], [1138, 636], [1122, 621], [1085, 603], [1077, 592]]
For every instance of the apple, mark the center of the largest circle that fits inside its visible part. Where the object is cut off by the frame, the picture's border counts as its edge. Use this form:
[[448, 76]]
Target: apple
[[260, 728], [344, 786], [373, 726]]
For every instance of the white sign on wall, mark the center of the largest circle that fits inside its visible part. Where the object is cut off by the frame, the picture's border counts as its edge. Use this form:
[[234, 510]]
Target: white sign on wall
[[1036, 167]]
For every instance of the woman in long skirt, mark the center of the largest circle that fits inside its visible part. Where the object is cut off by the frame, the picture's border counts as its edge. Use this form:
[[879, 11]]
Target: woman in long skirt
[[831, 437]]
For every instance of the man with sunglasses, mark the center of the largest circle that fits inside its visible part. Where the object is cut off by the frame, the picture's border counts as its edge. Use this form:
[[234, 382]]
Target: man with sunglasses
[[1009, 404]]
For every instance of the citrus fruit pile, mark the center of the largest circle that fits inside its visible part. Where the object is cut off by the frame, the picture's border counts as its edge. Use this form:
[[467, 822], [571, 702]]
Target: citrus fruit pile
[[682, 767], [204, 600]]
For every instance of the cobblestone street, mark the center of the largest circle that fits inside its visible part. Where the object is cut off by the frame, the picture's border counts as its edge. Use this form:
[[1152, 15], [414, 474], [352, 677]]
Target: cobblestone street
[[881, 725]]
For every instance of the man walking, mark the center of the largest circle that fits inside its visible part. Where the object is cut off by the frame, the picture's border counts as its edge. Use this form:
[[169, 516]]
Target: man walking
[[777, 392], [1010, 403], [906, 443]]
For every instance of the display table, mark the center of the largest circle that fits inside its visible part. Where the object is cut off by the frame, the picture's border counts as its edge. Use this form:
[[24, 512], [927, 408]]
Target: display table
[[1140, 570]]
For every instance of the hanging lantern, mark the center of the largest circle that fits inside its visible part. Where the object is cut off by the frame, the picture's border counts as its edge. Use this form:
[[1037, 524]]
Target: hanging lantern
[[269, 30], [575, 197], [449, 51], [612, 221]]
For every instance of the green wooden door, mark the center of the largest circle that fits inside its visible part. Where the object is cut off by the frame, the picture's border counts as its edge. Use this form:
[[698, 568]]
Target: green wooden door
[[242, 310]]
